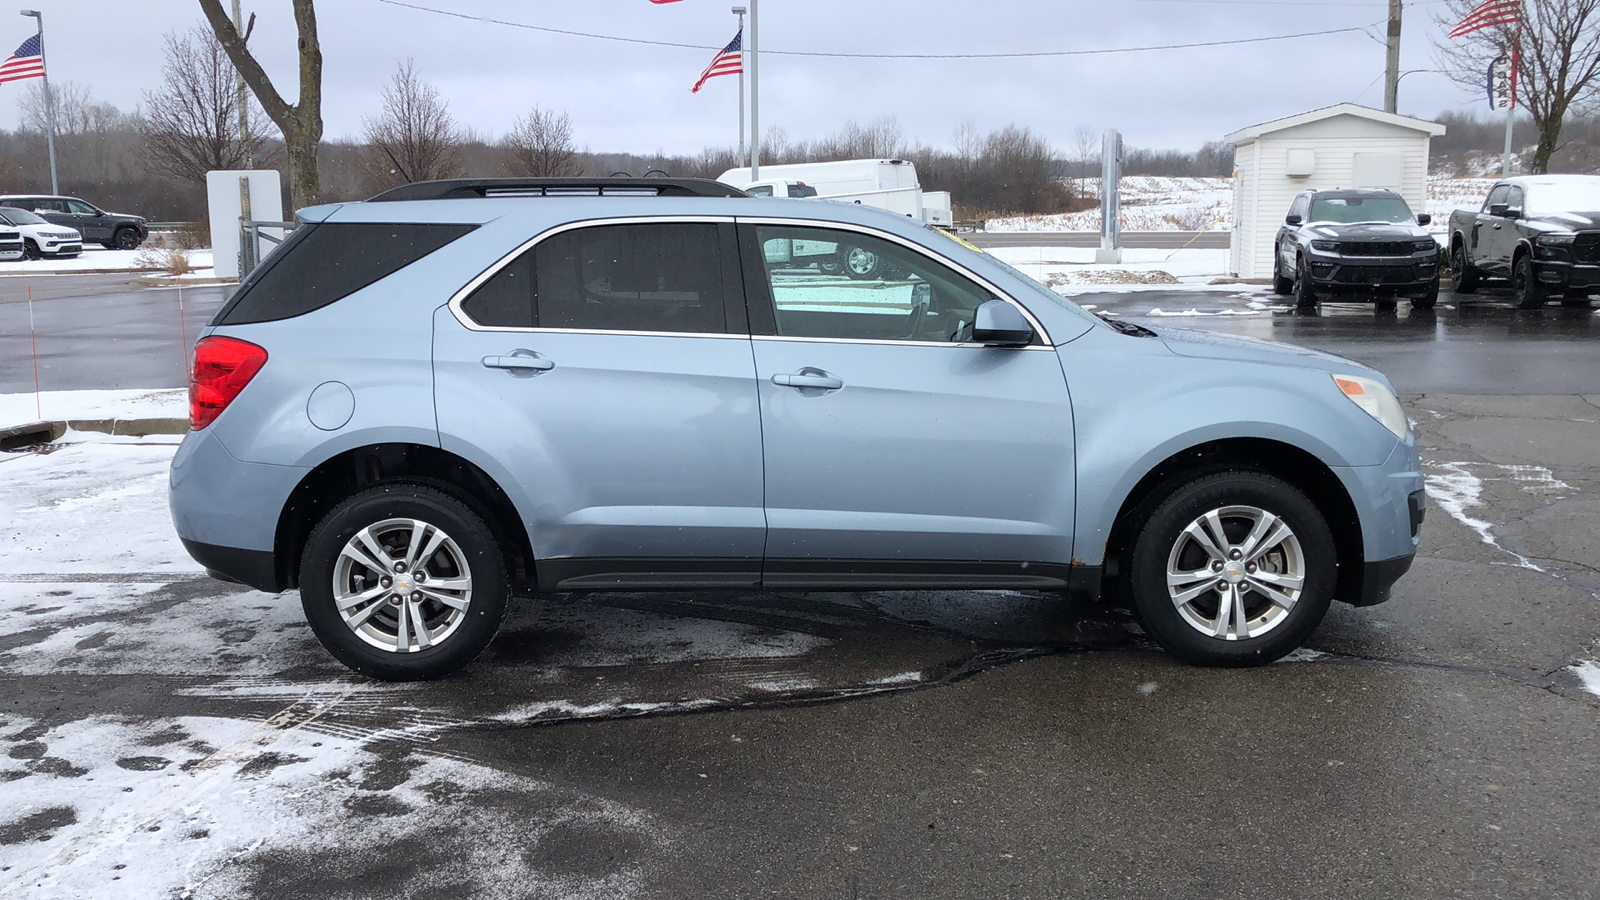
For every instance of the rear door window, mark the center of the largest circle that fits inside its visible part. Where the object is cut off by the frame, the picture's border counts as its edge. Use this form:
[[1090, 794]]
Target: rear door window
[[672, 277], [322, 263]]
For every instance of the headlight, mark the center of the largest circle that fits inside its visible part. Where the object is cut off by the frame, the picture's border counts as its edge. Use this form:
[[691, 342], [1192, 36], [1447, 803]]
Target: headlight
[[1428, 246], [1379, 402], [1556, 240], [1325, 246]]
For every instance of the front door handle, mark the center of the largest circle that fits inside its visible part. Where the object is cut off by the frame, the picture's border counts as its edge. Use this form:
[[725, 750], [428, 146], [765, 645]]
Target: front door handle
[[520, 361], [808, 377]]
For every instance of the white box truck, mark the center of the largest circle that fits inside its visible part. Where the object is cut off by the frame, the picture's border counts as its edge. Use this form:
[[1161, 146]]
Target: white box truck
[[889, 184]]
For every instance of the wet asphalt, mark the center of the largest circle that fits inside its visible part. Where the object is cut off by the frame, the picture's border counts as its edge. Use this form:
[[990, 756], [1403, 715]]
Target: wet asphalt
[[957, 744]]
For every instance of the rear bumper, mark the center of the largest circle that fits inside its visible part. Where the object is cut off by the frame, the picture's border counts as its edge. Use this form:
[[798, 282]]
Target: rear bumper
[[252, 568], [227, 511]]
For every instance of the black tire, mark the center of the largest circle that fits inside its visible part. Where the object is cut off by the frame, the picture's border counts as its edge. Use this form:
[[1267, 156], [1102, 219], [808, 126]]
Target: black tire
[[1463, 277], [860, 264], [830, 265], [125, 239], [1163, 540], [1525, 288], [471, 549], [1428, 299], [1281, 286], [30, 250], [1305, 295]]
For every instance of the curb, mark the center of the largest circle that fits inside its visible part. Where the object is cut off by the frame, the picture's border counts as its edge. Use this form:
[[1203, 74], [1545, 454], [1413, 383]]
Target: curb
[[33, 273], [15, 436], [169, 281]]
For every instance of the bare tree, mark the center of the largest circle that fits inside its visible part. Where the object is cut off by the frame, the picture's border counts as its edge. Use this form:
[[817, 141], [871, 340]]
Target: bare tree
[[541, 145], [76, 112], [300, 123], [1086, 152], [414, 137], [191, 122], [1558, 69]]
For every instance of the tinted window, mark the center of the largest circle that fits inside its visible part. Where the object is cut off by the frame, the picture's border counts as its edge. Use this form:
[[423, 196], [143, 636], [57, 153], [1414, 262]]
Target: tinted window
[[671, 276], [320, 264], [1498, 195], [44, 205], [78, 207], [841, 284], [802, 190]]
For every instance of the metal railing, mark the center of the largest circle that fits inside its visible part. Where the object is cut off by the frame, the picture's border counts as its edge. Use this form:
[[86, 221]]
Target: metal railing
[[250, 238]]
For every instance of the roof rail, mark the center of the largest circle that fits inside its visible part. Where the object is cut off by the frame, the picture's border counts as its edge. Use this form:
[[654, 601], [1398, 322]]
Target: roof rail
[[463, 188]]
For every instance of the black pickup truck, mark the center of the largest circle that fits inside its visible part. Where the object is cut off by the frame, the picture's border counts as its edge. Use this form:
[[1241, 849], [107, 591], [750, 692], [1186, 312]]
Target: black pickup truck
[[1542, 233]]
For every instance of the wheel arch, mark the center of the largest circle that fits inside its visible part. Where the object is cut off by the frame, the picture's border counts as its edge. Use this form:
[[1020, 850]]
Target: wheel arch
[[1298, 467], [357, 468]]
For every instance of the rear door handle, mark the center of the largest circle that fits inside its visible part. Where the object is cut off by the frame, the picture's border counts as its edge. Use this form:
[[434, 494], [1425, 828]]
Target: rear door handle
[[519, 361], [809, 378]]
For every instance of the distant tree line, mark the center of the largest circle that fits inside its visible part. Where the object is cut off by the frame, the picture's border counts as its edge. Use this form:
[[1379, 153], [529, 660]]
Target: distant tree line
[[152, 161]]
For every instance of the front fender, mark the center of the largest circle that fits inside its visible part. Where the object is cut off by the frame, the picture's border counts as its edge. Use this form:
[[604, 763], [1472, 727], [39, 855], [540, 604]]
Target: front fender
[[1136, 404]]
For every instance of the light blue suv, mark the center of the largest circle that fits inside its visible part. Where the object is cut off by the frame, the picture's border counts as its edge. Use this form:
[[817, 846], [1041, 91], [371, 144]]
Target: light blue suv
[[457, 391]]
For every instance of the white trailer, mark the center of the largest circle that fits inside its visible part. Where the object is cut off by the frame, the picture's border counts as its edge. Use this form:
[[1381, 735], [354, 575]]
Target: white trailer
[[889, 184]]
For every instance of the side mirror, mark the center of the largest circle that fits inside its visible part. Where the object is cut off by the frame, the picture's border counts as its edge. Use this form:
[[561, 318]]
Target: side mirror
[[1292, 219], [1424, 218], [998, 322], [1513, 212], [1498, 209]]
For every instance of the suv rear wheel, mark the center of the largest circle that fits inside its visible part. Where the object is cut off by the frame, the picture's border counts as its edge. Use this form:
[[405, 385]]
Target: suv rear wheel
[[1281, 285], [404, 582], [1233, 569]]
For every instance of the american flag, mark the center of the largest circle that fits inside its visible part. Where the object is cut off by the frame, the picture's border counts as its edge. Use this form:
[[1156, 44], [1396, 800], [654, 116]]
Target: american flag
[[1489, 14], [27, 62], [728, 62]]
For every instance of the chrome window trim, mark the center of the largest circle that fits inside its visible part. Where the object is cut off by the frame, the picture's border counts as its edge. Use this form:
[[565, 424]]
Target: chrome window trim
[[895, 343], [494, 268], [915, 248]]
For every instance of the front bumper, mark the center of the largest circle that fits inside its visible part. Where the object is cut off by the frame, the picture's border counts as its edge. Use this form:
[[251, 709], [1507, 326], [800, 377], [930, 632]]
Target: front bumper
[[1390, 504], [1382, 275], [1582, 278]]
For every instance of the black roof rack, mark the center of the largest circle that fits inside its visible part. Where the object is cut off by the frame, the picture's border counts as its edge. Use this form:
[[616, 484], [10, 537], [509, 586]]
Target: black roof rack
[[463, 188]]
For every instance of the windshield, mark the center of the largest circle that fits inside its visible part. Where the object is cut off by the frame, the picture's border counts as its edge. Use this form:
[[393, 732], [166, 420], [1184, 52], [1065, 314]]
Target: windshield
[[1360, 209], [21, 216], [1024, 277], [1580, 196]]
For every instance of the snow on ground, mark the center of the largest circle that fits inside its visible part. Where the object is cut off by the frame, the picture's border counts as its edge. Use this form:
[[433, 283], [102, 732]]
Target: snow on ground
[[92, 259], [1588, 673], [216, 807], [1150, 203], [1456, 488], [1072, 270], [73, 406]]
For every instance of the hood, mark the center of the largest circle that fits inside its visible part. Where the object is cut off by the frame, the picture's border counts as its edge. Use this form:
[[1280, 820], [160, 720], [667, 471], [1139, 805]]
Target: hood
[[140, 219], [1568, 221], [1375, 231], [1211, 345]]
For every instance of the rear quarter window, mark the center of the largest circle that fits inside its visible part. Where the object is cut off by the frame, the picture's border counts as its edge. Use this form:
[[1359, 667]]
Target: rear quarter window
[[323, 263]]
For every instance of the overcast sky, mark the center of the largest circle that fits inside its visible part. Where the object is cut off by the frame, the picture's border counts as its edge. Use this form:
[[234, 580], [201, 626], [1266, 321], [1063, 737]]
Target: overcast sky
[[634, 97]]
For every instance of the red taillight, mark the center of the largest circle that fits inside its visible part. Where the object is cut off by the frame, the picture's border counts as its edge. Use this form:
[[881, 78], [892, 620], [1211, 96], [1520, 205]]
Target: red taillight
[[222, 367]]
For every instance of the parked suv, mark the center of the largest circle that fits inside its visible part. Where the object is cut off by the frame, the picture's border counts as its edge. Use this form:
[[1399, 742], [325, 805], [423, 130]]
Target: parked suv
[[1363, 244], [39, 237], [115, 231], [421, 404]]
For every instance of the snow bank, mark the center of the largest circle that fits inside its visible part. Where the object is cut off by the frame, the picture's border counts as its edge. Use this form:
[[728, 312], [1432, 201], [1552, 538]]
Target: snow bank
[[96, 259], [55, 406]]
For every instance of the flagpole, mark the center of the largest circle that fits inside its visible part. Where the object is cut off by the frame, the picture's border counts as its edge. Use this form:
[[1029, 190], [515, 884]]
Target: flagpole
[[739, 11], [755, 91], [49, 103]]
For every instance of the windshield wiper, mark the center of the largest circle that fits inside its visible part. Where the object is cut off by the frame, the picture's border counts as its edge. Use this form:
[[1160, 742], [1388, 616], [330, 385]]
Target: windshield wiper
[[1124, 327]]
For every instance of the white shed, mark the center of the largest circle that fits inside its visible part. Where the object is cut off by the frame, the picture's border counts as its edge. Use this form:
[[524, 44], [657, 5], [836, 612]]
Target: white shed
[[1343, 146]]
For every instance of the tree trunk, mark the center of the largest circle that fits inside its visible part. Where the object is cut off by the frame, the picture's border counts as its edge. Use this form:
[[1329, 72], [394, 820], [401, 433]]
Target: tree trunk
[[1549, 132], [305, 186]]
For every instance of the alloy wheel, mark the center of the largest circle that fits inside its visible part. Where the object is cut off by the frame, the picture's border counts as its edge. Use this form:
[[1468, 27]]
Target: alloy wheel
[[402, 585], [1235, 572]]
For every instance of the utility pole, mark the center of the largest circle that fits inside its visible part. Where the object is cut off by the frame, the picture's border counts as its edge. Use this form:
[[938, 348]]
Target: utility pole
[[739, 11], [49, 101], [755, 91], [243, 98], [1391, 77]]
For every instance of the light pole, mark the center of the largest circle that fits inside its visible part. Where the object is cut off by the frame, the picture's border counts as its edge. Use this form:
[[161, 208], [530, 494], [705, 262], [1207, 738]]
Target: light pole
[[755, 91], [49, 102], [739, 11]]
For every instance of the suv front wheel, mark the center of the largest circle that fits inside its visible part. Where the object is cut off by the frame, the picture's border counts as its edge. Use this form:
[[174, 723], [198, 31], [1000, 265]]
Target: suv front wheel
[[1233, 569], [404, 582]]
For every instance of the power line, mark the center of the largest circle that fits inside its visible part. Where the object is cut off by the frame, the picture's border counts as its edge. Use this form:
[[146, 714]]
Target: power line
[[1045, 53]]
